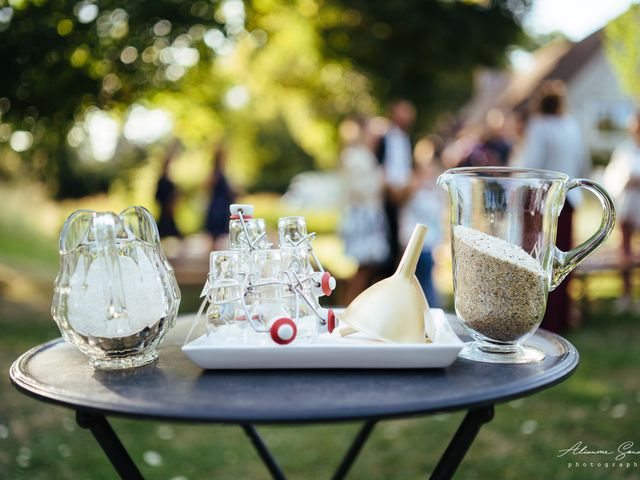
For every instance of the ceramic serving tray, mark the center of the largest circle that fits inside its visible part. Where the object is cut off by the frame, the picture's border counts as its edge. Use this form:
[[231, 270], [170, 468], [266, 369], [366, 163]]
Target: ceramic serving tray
[[330, 351]]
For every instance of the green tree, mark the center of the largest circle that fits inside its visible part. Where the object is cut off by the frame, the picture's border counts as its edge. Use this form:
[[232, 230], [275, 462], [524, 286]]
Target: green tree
[[61, 57], [622, 43], [272, 78], [425, 51]]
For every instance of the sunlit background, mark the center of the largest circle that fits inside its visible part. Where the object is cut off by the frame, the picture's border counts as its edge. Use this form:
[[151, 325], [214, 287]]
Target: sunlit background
[[94, 93]]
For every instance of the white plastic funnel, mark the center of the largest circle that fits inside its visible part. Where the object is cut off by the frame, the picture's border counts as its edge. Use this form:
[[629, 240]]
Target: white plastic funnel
[[394, 309]]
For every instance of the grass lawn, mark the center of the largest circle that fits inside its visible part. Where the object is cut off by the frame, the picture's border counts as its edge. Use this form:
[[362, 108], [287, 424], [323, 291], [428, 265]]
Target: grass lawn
[[599, 406]]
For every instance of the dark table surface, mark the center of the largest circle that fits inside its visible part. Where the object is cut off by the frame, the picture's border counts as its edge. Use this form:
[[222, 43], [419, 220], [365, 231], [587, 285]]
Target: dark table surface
[[175, 389]]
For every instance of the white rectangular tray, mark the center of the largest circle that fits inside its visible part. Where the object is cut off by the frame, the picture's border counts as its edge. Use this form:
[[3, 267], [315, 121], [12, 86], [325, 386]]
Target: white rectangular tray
[[330, 351]]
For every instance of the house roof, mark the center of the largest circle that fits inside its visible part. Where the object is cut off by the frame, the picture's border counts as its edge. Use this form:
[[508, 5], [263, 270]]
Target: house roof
[[511, 90], [569, 64]]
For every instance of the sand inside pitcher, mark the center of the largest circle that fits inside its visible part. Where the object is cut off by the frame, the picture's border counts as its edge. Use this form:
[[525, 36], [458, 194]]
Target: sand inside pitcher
[[500, 288]]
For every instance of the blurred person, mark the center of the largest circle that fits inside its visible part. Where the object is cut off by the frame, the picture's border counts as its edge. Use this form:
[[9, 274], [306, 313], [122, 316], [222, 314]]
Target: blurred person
[[167, 195], [364, 225], [425, 206], [456, 149], [494, 138], [491, 149], [396, 157], [516, 128], [222, 196], [553, 141], [622, 178]]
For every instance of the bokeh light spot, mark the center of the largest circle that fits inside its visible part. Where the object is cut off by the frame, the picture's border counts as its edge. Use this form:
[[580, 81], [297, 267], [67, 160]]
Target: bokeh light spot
[[21, 141], [197, 32], [87, 12], [152, 458], [186, 57], [5, 132], [19, 4], [214, 38], [145, 126], [103, 135], [79, 57], [6, 14], [162, 28], [351, 17], [111, 83], [259, 37], [65, 27], [149, 54], [76, 136], [233, 12], [119, 31], [174, 72], [129, 54], [237, 97]]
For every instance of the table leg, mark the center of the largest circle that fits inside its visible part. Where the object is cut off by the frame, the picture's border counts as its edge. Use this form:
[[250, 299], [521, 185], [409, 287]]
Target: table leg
[[263, 451], [110, 444], [461, 441], [354, 450]]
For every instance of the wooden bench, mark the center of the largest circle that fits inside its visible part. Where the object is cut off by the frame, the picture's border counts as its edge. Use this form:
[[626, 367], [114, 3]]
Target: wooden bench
[[608, 262], [190, 270]]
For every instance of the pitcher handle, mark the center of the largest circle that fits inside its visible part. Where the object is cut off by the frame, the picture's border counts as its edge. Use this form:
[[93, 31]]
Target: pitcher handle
[[564, 262]]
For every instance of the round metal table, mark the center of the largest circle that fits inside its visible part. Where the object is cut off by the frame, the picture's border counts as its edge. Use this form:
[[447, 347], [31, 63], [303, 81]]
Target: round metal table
[[177, 390]]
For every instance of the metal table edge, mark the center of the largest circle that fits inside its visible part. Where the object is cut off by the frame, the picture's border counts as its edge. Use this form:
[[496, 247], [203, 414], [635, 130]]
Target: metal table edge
[[30, 389]]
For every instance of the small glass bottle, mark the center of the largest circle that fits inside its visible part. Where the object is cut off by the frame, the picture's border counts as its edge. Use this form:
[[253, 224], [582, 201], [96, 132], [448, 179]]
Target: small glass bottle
[[295, 246], [263, 242], [223, 289], [243, 229], [268, 310], [291, 231]]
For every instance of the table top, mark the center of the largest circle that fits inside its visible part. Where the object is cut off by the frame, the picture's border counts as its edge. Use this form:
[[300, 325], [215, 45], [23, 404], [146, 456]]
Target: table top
[[175, 389]]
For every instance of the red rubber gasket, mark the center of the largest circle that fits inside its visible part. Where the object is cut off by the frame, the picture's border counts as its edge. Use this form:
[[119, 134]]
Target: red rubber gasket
[[331, 320], [325, 283], [276, 326]]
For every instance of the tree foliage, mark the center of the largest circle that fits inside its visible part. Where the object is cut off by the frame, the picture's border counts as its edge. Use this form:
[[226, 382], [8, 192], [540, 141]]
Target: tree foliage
[[623, 48], [61, 57], [270, 78], [425, 51]]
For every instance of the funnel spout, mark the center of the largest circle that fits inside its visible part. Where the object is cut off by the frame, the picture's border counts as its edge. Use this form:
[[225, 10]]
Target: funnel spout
[[407, 266]]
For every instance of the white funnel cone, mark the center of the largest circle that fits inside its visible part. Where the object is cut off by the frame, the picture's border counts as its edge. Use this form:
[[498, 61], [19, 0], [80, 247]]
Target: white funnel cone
[[394, 309]]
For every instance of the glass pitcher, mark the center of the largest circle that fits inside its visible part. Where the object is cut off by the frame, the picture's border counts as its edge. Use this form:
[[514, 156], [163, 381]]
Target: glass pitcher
[[115, 296], [505, 262]]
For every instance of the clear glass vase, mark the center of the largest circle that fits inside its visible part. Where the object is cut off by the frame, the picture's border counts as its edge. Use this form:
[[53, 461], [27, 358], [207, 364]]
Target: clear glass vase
[[115, 296]]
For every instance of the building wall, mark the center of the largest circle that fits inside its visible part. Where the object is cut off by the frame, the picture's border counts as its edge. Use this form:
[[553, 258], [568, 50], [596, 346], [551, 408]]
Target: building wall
[[600, 105]]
